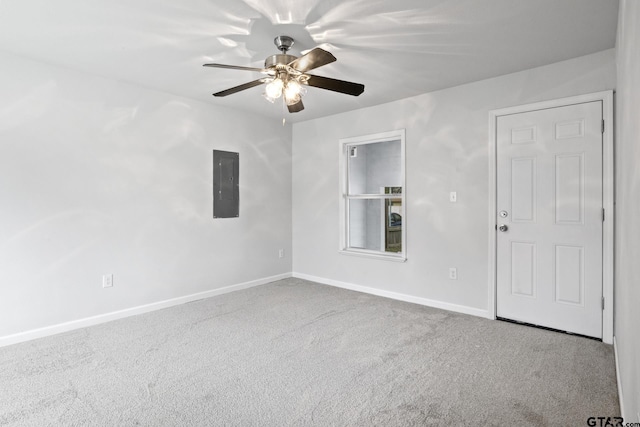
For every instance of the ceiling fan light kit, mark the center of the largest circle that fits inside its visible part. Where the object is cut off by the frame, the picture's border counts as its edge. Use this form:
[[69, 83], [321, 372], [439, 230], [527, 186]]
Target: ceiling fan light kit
[[287, 76]]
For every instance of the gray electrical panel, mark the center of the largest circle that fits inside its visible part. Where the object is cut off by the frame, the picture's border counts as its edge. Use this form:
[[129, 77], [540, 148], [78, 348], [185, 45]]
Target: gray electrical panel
[[226, 192]]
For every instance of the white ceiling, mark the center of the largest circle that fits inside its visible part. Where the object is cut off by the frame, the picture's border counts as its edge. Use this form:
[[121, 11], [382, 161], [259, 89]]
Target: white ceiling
[[396, 48]]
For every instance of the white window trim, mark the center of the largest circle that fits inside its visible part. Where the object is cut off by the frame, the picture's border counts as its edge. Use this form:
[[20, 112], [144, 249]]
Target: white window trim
[[395, 135]]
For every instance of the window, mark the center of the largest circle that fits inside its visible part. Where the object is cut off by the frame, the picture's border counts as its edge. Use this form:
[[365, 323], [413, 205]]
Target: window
[[372, 199]]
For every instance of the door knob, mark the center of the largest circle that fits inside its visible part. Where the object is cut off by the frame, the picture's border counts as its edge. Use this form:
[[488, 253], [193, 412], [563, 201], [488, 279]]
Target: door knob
[[503, 227]]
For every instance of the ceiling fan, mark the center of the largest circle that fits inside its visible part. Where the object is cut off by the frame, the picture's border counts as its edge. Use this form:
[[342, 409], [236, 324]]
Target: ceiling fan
[[287, 76]]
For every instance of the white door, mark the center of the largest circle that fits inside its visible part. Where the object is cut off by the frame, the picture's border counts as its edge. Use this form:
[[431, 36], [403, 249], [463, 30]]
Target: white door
[[549, 202]]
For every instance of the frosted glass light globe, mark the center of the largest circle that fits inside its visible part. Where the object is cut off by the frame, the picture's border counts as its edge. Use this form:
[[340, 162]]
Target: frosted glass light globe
[[292, 90], [274, 89]]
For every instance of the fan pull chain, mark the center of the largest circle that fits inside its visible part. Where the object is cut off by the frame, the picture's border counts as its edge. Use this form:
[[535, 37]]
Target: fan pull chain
[[283, 112]]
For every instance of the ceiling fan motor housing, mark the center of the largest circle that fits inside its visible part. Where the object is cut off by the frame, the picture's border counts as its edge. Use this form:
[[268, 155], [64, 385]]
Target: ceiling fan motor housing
[[281, 59]]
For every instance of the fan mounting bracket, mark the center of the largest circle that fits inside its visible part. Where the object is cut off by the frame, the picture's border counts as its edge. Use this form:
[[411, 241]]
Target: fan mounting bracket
[[283, 43]]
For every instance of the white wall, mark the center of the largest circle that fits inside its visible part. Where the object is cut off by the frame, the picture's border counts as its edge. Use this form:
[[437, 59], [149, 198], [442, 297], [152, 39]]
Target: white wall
[[98, 176], [446, 150], [627, 280]]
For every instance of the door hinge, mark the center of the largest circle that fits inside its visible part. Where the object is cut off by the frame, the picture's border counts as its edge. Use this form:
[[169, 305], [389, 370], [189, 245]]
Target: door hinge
[[602, 125], [603, 303], [602, 214]]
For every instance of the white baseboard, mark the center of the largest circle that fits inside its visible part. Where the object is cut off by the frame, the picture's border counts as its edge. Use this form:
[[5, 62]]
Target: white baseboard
[[620, 397], [107, 317], [397, 296]]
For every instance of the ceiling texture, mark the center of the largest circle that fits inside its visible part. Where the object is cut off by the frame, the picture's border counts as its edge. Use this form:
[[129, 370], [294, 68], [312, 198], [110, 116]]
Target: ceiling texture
[[396, 48]]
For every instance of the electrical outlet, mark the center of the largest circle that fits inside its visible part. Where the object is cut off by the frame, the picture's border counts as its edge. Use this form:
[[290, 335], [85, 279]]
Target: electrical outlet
[[281, 253], [453, 273], [453, 197], [107, 280]]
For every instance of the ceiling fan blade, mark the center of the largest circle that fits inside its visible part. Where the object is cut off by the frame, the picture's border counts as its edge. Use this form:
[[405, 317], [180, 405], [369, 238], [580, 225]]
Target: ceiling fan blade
[[335, 85], [297, 107], [239, 88], [313, 59], [233, 67]]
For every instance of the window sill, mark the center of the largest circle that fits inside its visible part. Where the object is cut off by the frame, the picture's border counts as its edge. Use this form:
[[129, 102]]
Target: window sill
[[372, 254]]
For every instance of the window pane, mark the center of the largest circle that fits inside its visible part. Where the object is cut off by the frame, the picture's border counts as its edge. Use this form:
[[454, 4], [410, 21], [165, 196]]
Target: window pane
[[375, 224], [393, 225], [374, 166]]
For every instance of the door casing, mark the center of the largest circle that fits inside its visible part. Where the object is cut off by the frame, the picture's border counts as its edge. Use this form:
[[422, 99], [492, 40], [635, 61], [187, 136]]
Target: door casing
[[607, 197]]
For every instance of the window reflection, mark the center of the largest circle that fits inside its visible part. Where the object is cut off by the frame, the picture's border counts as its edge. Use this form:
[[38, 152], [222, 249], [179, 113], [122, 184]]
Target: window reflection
[[393, 225]]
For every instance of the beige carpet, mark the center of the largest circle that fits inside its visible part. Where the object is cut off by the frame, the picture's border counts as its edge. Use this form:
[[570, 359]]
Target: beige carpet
[[295, 353]]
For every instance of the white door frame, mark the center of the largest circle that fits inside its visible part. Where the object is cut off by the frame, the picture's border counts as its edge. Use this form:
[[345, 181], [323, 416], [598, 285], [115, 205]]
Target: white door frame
[[607, 197]]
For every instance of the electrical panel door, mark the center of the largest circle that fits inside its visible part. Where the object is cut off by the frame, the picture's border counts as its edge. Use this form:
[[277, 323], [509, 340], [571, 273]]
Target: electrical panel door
[[226, 192]]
